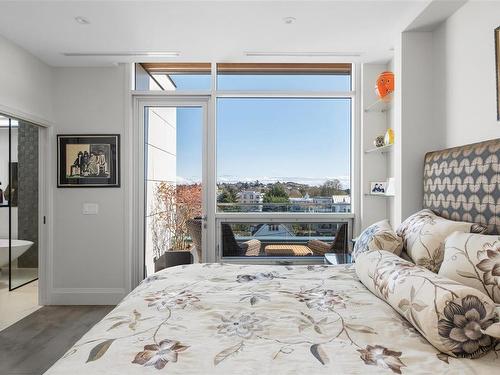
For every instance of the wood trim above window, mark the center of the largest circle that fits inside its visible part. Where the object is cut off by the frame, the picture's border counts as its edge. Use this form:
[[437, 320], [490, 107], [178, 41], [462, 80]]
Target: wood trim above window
[[285, 68], [179, 68], [249, 68]]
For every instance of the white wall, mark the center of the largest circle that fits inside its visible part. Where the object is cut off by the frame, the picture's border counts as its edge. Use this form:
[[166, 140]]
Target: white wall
[[465, 86], [445, 95], [4, 179], [89, 257], [90, 252], [25, 83], [416, 132], [4, 154]]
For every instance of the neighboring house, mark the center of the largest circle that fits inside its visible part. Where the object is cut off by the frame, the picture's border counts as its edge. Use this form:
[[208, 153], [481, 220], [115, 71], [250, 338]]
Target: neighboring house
[[341, 203], [273, 230], [322, 204], [303, 204], [335, 203], [251, 200]]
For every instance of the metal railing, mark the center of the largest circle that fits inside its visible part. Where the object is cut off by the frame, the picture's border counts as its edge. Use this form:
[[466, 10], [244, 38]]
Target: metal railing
[[309, 207]]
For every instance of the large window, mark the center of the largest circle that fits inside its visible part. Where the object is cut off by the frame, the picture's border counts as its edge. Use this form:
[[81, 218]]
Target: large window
[[283, 147], [277, 158], [285, 152]]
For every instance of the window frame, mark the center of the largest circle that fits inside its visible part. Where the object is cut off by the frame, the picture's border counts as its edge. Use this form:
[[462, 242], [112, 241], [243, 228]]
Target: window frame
[[220, 217]]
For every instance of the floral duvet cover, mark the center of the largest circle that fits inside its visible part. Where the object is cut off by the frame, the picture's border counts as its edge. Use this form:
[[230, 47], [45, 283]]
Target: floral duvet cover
[[249, 319]]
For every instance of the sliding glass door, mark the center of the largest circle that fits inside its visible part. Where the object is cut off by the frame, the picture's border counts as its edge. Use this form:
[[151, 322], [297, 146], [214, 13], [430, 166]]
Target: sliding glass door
[[19, 200], [174, 181]]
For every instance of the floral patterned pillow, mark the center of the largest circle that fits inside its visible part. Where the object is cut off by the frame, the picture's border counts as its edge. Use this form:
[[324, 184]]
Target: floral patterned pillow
[[378, 236], [458, 320], [473, 260], [424, 234]]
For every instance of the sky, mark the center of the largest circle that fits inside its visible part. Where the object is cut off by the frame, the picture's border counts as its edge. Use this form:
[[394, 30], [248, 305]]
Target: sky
[[300, 140]]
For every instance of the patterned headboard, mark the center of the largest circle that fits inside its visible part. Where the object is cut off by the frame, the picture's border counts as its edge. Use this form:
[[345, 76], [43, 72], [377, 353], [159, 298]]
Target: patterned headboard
[[463, 183]]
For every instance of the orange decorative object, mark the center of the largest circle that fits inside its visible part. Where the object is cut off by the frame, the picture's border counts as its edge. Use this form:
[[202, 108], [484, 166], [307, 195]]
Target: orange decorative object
[[385, 85]]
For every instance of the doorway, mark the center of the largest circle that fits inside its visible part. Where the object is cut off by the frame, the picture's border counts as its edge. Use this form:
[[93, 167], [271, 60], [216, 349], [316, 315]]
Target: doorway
[[175, 187], [20, 219]]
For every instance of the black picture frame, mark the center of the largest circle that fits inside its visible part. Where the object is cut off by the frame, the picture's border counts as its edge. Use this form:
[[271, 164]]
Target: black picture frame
[[88, 160], [497, 64]]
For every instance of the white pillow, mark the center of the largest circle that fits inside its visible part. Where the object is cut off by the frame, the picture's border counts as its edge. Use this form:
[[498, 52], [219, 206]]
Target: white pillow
[[378, 236], [473, 260], [424, 234], [458, 320]]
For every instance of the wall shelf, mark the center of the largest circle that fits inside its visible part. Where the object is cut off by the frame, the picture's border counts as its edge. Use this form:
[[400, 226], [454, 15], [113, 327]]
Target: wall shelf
[[381, 150], [381, 105], [379, 195]]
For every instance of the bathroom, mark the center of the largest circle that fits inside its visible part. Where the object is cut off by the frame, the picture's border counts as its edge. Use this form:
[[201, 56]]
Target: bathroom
[[19, 219]]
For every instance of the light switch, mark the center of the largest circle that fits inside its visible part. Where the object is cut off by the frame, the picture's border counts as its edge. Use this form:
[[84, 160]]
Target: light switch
[[90, 209]]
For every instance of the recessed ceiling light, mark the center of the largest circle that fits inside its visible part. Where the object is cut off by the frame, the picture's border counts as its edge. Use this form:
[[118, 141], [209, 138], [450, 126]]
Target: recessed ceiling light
[[289, 20], [82, 20]]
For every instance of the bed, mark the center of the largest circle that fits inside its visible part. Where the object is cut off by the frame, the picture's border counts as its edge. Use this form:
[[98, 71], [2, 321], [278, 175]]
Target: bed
[[227, 319], [317, 319]]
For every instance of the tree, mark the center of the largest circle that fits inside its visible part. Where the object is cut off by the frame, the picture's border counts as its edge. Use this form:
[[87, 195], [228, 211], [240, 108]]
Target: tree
[[276, 191], [173, 206], [228, 195], [331, 187], [275, 194], [303, 190]]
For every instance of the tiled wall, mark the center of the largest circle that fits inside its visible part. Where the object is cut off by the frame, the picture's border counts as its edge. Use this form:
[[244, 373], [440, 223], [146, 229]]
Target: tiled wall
[[28, 192]]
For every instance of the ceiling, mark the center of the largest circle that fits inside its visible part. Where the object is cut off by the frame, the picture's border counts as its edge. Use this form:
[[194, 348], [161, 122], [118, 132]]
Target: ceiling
[[206, 30]]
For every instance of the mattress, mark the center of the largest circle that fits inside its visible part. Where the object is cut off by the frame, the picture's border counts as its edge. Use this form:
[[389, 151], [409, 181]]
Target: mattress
[[258, 319]]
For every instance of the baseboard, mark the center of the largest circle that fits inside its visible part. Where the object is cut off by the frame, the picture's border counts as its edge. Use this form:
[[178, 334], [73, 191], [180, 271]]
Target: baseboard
[[85, 296]]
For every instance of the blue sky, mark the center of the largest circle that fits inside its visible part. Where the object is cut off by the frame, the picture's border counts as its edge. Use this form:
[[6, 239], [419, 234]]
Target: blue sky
[[301, 140]]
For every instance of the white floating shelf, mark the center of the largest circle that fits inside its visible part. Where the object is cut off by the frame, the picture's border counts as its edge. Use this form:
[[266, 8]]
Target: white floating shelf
[[381, 105], [381, 150], [379, 195]]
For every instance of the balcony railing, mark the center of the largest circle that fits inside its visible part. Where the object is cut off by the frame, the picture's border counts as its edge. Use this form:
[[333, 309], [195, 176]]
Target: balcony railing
[[309, 207]]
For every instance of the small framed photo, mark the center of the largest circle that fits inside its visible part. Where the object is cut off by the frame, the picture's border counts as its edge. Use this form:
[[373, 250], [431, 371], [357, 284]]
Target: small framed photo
[[379, 188], [88, 160]]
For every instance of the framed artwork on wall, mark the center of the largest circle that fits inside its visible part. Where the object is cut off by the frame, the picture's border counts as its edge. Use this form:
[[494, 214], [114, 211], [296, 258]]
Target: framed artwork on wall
[[88, 160], [497, 61]]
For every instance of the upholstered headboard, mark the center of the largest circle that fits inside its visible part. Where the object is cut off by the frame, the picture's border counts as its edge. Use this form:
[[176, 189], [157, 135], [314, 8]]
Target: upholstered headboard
[[463, 183]]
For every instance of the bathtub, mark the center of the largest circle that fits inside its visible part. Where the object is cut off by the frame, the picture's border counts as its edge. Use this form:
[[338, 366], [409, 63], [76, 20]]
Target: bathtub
[[19, 247]]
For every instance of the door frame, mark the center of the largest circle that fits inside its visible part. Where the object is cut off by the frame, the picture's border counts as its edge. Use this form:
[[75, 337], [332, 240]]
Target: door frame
[[45, 198], [140, 102]]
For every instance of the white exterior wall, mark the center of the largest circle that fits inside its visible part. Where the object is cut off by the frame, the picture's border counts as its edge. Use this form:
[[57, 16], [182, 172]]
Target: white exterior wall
[[161, 165]]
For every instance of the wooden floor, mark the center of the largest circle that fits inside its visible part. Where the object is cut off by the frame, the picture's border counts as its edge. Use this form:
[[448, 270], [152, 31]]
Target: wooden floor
[[32, 345]]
